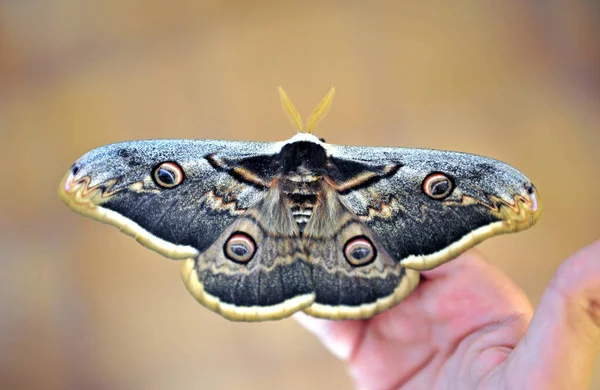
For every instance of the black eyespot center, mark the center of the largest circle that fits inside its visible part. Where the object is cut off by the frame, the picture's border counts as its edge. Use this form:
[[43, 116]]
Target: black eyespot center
[[239, 248], [359, 251], [75, 169], [167, 175], [438, 186]]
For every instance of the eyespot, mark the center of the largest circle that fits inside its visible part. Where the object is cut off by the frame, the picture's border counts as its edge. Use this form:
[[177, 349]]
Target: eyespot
[[240, 247], [359, 251], [438, 186], [167, 175]]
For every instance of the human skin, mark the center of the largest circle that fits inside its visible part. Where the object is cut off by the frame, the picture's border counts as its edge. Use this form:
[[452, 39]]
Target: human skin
[[468, 326]]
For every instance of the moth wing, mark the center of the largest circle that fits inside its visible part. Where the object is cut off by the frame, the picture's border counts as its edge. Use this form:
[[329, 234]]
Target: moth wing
[[226, 188], [344, 290], [274, 283], [383, 187], [114, 184]]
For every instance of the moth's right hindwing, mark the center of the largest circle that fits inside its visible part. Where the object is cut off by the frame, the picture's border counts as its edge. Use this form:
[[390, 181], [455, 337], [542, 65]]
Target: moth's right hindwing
[[346, 287]]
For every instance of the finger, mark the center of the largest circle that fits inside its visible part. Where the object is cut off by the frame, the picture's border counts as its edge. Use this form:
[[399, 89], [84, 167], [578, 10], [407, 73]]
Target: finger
[[469, 293], [462, 298], [339, 337], [452, 301], [563, 338], [450, 291]]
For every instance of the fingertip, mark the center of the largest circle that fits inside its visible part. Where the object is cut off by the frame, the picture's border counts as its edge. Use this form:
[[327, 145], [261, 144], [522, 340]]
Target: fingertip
[[339, 337], [577, 282], [564, 334], [579, 272]]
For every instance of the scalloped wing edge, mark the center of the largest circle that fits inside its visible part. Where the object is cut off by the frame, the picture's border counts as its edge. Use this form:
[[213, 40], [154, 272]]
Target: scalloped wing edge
[[80, 199]]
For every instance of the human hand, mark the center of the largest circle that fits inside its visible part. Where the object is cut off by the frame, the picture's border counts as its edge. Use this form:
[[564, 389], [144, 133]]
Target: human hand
[[468, 326]]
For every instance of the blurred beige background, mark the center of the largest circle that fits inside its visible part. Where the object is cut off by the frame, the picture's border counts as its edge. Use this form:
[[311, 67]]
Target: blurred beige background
[[85, 307]]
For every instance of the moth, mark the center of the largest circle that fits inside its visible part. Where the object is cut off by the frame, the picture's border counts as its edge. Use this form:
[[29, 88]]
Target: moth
[[269, 229]]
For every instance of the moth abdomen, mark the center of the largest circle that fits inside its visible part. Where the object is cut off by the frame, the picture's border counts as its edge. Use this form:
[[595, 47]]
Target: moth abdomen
[[301, 207]]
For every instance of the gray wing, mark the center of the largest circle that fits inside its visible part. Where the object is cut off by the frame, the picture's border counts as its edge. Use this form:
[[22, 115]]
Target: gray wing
[[384, 187], [225, 191], [116, 186]]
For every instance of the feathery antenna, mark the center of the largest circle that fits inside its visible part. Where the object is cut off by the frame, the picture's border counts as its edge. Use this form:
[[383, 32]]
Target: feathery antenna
[[317, 115]]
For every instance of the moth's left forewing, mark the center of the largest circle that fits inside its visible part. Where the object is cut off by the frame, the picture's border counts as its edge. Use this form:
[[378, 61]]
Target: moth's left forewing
[[114, 184], [488, 198]]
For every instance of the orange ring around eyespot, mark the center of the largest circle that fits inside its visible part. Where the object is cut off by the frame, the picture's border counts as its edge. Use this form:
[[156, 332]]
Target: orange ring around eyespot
[[431, 179], [352, 244], [243, 239], [171, 167]]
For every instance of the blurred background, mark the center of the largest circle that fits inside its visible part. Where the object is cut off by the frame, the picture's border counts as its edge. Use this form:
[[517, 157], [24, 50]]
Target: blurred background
[[85, 307]]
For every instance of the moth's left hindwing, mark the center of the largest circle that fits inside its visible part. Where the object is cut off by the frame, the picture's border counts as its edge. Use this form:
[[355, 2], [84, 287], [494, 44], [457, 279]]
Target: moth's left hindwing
[[269, 229]]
